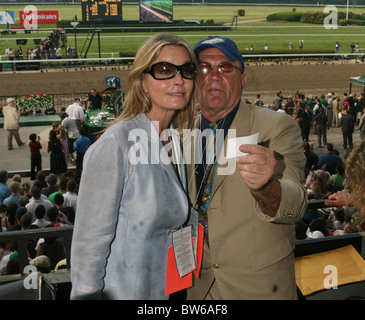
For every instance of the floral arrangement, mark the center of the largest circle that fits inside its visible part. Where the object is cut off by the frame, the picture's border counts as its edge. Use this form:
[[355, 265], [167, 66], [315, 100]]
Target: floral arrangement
[[32, 103], [109, 98]]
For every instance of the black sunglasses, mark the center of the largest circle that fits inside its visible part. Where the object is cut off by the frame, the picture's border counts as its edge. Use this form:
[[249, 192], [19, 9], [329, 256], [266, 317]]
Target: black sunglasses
[[166, 70]]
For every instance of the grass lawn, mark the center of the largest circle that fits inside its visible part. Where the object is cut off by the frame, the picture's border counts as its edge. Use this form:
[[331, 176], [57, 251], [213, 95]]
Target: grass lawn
[[248, 32], [220, 14]]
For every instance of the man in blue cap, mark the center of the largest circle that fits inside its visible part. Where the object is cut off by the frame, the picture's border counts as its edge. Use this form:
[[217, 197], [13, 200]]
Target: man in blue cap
[[248, 215], [221, 97]]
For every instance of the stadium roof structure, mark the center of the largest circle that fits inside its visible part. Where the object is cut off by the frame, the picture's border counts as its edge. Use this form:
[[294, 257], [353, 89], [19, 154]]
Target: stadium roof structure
[[357, 80]]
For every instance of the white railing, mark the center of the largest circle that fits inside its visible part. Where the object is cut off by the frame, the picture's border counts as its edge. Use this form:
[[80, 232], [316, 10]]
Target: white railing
[[68, 60], [257, 56], [110, 55]]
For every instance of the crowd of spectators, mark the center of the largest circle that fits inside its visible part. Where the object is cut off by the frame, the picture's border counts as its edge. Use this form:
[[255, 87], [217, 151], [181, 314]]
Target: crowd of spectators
[[325, 173], [52, 200], [48, 48], [48, 201]]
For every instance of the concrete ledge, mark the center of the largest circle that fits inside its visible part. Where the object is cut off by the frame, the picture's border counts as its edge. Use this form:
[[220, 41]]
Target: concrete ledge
[[31, 121]]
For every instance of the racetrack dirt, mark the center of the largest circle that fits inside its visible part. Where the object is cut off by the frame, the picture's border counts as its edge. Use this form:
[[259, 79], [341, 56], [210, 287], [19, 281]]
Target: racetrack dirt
[[266, 79]]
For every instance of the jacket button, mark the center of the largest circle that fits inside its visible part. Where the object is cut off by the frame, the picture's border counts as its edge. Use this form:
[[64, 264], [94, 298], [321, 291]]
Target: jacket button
[[216, 266]]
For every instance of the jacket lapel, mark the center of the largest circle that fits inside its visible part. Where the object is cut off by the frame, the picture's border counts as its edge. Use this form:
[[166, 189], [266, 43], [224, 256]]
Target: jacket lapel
[[189, 146], [157, 153]]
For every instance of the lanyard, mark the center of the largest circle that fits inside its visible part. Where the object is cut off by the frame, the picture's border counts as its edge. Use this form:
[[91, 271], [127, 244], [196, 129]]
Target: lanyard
[[208, 170], [177, 156]]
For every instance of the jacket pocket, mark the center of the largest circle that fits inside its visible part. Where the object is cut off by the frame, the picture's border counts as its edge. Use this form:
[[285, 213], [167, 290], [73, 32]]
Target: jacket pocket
[[271, 255]]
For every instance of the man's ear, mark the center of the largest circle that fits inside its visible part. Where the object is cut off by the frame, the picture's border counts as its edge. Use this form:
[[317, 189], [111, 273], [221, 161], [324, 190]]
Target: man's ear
[[243, 80]]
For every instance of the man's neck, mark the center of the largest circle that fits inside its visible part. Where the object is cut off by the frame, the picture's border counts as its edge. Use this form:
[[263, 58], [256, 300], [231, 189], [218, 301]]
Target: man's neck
[[215, 115]]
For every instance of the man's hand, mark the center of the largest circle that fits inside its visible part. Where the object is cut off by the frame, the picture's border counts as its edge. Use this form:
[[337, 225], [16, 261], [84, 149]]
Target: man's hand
[[256, 168]]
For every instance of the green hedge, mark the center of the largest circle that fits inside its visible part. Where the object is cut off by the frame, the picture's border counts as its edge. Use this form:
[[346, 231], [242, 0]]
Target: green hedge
[[313, 17], [241, 12], [316, 17], [351, 16], [286, 16], [344, 22]]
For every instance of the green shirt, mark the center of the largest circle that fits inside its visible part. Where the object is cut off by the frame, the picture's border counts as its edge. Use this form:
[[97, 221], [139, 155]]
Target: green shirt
[[338, 181], [52, 195]]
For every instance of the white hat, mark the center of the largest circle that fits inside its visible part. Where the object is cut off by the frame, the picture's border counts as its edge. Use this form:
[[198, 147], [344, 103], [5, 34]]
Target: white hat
[[10, 100], [315, 234]]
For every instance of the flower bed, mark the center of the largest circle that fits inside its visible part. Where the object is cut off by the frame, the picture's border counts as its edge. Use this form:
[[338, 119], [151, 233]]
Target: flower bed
[[34, 104]]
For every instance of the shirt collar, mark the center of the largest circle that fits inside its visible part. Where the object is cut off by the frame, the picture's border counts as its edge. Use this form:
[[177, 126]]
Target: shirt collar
[[223, 123]]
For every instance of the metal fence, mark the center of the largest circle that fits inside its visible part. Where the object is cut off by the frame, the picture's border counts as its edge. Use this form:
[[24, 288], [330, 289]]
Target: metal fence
[[59, 100], [39, 65], [21, 237], [125, 63]]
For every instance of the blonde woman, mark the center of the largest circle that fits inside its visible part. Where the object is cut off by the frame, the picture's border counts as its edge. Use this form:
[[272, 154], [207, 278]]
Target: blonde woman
[[131, 198], [354, 193]]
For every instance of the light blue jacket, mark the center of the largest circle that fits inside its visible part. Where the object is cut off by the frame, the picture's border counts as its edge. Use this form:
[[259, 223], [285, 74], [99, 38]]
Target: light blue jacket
[[128, 205]]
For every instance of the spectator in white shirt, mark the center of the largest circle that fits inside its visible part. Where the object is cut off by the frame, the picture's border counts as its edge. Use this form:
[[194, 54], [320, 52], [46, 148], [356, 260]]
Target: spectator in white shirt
[[76, 112], [72, 131], [37, 200], [40, 212], [70, 126], [70, 197]]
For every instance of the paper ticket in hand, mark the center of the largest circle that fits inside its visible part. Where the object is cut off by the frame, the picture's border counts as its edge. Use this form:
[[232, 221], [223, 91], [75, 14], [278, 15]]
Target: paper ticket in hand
[[233, 145]]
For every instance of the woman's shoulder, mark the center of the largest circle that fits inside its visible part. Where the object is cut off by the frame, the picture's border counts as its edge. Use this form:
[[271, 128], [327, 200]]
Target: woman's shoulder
[[118, 133], [123, 127]]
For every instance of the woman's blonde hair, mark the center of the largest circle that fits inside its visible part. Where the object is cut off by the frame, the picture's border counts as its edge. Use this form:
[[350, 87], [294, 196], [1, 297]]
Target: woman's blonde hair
[[355, 174], [137, 101]]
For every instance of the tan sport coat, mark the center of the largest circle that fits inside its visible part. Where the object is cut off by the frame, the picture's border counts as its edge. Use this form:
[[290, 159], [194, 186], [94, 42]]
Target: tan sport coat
[[250, 255], [11, 117]]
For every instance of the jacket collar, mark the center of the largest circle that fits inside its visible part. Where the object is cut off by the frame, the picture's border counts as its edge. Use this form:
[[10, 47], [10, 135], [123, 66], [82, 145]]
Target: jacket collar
[[157, 151]]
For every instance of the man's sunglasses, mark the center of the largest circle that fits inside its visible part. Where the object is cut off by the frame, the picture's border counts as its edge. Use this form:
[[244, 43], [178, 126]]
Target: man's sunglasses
[[166, 70], [222, 68]]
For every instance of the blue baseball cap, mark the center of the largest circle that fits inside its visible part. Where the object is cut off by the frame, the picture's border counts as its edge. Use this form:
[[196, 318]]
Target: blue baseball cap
[[225, 45]]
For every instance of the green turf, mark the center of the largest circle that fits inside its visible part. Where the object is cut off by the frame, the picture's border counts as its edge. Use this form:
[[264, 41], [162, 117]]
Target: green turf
[[220, 14], [256, 33]]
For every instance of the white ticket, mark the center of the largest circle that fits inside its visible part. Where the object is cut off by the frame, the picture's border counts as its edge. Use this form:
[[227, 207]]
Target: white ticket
[[233, 145]]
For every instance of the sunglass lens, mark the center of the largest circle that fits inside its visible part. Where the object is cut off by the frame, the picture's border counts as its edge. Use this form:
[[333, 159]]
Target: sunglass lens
[[188, 70], [206, 68], [226, 67], [164, 70]]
